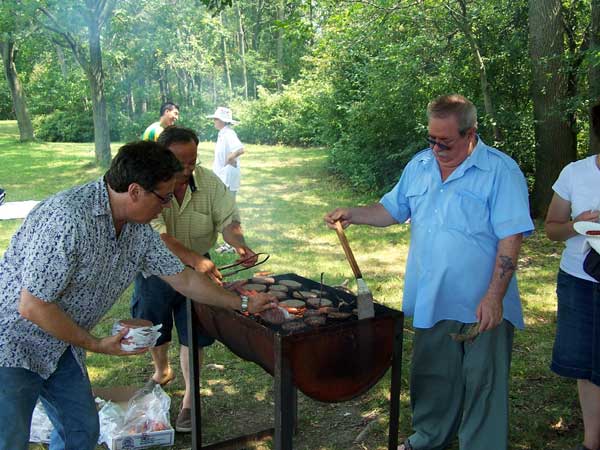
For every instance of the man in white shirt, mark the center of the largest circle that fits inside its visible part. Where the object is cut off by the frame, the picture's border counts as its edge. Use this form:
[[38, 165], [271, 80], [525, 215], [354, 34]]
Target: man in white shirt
[[228, 149]]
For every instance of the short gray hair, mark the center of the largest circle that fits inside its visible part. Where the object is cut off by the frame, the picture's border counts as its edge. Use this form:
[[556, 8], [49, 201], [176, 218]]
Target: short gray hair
[[454, 105]]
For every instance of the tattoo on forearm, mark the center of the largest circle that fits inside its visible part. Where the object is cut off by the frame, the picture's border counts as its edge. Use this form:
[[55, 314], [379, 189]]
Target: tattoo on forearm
[[507, 267]]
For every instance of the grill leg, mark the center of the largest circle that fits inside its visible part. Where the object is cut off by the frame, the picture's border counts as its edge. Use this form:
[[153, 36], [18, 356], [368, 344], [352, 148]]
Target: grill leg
[[285, 399], [194, 376], [395, 386]]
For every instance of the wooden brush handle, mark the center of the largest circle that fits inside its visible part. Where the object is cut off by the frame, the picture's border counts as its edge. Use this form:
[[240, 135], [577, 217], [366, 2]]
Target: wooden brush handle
[[347, 250]]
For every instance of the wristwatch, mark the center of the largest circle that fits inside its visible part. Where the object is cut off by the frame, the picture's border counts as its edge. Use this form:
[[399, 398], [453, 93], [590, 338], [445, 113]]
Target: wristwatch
[[245, 299]]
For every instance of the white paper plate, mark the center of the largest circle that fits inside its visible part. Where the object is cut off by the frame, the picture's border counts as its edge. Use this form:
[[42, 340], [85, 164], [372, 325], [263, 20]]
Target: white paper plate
[[584, 227]]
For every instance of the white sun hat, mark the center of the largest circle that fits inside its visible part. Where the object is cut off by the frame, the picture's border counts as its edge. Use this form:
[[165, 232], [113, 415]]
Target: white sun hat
[[223, 114]]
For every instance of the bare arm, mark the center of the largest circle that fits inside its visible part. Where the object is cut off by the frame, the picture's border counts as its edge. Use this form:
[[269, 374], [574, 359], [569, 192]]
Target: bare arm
[[375, 215], [558, 225], [233, 235], [53, 320], [231, 157], [191, 258], [489, 310], [199, 288]]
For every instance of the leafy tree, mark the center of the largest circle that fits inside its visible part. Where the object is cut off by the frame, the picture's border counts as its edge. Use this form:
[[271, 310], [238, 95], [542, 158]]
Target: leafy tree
[[14, 27], [555, 137], [61, 18]]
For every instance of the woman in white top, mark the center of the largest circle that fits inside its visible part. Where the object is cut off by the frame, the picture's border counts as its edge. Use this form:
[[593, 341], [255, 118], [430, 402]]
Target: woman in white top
[[576, 352], [228, 149]]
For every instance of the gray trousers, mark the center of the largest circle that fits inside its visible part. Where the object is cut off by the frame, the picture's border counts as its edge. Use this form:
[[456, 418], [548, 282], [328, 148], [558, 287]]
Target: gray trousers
[[460, 388]]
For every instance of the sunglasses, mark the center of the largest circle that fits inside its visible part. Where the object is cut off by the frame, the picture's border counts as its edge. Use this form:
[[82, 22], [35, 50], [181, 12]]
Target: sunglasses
[[164, 200], [433, 143]]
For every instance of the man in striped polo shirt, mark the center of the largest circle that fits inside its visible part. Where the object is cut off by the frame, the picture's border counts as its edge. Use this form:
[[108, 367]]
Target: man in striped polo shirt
[[202, 208]]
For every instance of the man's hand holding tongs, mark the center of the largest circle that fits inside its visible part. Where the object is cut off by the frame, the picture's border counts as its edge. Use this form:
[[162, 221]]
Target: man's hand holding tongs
[[208, 267], [247, 257]]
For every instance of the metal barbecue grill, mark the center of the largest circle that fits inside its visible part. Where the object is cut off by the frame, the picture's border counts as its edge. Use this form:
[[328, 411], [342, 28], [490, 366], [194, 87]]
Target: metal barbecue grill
[[333, 362]]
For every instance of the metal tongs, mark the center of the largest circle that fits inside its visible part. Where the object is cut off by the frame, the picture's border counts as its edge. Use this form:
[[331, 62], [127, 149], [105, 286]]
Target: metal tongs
[[242, 261]]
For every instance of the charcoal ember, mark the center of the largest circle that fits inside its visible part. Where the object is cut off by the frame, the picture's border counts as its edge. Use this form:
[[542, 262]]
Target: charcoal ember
[[276, 316], [293, 325]]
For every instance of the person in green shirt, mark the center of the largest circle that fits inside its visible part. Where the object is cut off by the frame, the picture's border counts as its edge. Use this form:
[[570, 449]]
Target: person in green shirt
[[169, 114]]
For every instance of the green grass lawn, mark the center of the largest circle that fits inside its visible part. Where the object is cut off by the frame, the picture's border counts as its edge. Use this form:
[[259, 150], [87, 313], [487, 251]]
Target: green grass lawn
[[285, 193]]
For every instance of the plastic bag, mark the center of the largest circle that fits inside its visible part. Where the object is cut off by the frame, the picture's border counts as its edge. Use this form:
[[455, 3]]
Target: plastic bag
[[147, 410], [41, 427], [111, 417]]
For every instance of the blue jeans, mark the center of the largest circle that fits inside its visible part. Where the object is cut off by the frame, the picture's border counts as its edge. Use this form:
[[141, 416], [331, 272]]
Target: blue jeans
[[67, 398]]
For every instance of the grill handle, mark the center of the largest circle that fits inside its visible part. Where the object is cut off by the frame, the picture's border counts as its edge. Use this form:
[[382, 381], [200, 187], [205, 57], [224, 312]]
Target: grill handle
[[347, 250]]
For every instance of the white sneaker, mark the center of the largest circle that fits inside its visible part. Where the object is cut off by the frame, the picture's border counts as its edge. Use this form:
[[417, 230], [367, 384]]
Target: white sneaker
[[225, 248]]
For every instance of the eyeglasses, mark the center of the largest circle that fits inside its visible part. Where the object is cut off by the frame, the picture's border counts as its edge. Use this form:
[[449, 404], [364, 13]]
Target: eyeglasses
[[433, 143], [164, 200]]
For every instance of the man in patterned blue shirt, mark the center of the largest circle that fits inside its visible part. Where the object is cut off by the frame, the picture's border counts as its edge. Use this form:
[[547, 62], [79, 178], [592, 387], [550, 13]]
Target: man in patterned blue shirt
[[468, 210], [65, 267]]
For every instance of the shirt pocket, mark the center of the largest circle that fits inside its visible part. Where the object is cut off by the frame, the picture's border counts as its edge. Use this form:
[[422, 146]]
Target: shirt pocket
[[416, 196], [468, 212], [200, 225]]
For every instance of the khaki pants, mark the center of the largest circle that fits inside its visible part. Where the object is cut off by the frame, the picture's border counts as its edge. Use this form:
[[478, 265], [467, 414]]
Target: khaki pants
[[460, 388]]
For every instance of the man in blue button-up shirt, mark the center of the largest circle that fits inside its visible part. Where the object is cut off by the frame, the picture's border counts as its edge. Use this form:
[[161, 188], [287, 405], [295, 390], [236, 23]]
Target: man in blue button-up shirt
[[468, 208]]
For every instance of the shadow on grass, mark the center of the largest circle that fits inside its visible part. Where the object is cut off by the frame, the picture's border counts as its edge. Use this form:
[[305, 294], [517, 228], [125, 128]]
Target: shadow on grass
[[285, 193]]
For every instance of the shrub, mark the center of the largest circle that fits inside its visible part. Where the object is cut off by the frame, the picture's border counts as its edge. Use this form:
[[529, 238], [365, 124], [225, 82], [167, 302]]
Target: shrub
[[292, 117], [65, 126]]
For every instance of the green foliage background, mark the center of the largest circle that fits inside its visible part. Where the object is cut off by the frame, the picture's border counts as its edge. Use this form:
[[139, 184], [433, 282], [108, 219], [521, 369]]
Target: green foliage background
[[354, 76]]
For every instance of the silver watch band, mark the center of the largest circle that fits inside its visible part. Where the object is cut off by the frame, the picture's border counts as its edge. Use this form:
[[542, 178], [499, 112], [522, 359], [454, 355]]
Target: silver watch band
[[244, 299]]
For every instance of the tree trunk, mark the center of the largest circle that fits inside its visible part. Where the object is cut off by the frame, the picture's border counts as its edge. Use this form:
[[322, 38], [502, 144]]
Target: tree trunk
[[141, 101], [162, 88], [594, 72], [225, 56], [214, 88], [257, 25], [130, 100], [60, 55], [95, 76], [242, 49], [463, 22], [555, 139], [16, 91], [95, 14], [280, 17]]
